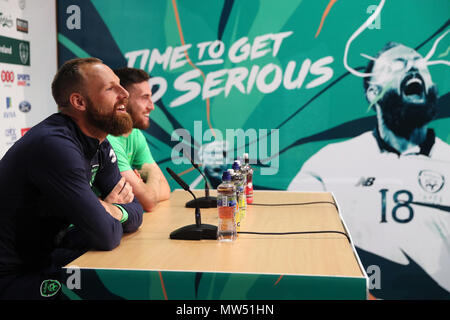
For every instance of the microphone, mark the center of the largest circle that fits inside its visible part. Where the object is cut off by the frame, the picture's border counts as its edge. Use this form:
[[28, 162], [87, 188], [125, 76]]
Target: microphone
[[195, 231], [203, 202]]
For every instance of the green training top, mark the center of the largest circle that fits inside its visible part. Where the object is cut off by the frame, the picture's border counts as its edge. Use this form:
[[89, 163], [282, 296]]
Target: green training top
[[132, 151]]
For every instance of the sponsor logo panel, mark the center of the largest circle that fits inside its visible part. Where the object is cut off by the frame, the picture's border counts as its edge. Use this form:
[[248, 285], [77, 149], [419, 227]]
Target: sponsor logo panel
[[8, 113], [11, 136], [22, 25], [5, 20], [8, 102], [23, 80], [14, 51], [22, 4], [25, 106], [7, 77], [24, 130]]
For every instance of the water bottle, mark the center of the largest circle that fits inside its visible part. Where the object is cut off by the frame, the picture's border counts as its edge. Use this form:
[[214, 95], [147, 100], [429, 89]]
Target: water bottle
[[240, 182], [237, 216], [226, 205], [248, 172]]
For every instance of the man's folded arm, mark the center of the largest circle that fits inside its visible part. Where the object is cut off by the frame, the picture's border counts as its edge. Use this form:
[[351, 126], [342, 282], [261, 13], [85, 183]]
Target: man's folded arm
[[154, 189], [164, 185], [131, 215], [60, 174], [146, 194], [106, 181]]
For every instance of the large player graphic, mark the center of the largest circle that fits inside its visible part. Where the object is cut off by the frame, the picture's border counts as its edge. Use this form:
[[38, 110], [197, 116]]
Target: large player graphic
[[392, 183]]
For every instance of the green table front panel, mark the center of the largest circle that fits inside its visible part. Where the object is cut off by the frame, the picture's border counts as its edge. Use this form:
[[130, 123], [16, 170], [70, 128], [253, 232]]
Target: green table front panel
[[175, 285]]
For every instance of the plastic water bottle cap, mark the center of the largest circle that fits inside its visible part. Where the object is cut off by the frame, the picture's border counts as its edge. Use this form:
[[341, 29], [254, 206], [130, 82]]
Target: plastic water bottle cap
[[236, 165], [226, 176]]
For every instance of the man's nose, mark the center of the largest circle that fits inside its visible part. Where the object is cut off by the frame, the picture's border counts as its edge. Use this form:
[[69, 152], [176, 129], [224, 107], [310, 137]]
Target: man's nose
[[151, 106], [123, 93], [411, 68]]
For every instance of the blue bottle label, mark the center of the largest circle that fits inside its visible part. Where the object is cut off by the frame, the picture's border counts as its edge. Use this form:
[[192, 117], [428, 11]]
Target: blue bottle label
[[226, 201]]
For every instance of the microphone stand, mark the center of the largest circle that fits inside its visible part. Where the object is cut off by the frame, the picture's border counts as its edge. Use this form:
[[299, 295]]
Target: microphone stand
[[203, 202], [197, 231]]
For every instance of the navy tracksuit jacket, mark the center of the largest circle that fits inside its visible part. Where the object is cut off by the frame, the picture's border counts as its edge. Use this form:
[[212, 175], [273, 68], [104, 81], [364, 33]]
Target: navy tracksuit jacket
[[46, 185]]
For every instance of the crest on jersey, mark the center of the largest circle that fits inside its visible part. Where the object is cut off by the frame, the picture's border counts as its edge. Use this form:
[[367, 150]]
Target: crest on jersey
[[112, 155], [431, 181], [50, 287]]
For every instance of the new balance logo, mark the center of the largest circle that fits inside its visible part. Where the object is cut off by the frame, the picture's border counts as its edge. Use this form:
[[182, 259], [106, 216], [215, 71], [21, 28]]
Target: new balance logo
[[365, 182]]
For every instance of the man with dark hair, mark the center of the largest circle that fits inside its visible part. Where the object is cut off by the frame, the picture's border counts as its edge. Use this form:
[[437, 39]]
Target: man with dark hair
[[134, 158], [392, 182], [405, 101], [48, 209]]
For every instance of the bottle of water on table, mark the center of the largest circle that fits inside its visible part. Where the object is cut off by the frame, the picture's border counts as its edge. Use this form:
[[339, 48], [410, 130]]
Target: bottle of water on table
[[226, 206], [240, 183]]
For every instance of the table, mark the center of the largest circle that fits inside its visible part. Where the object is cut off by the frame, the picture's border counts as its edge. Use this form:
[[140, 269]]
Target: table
[[149, 265]]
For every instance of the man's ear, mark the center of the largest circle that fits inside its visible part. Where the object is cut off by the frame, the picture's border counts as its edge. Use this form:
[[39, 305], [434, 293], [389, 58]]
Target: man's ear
[[372, 93], [77, 101]]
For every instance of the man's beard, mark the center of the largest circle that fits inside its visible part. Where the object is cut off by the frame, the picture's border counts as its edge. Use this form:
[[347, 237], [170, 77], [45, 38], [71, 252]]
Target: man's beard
[[403, 117], [137, 123], [112, 123]]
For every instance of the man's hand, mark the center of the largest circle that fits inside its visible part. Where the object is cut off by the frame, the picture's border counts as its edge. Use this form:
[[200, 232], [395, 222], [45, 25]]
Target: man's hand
[[149, 185], [122, 193], [114, 211], [143, 174], [138, 174]]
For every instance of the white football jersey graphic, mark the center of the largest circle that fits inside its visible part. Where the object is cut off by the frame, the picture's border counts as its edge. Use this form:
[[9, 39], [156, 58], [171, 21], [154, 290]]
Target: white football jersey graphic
[[391, 203]]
